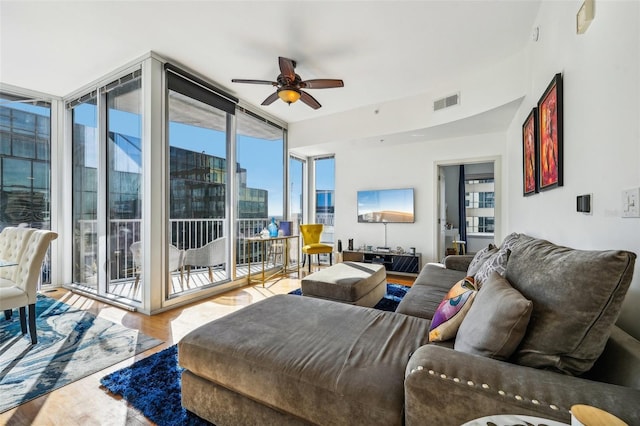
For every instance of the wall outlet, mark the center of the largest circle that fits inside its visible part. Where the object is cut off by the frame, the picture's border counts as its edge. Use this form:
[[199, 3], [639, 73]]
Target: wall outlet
[[631, 203]]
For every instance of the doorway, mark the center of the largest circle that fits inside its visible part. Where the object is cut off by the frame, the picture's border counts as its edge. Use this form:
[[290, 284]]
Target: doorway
[[480, 221]]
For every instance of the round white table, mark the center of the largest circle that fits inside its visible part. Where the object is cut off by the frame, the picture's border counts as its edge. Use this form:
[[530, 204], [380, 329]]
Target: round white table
[[513, 420]]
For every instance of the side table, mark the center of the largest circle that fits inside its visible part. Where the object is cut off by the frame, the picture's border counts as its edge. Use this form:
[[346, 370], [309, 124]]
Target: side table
[[279, 271]]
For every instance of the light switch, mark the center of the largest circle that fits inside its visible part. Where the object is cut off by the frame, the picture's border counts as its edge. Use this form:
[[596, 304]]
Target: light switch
[[631, 203]]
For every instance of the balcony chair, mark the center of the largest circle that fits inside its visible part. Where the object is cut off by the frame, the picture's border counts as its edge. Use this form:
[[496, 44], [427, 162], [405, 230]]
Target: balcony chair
[[210, 255], [12, 243], [311, 233], [20, 291], [175, 259]]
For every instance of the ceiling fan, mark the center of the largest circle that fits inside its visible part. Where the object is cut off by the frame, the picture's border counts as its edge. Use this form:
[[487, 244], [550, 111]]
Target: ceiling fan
[[290, 85]]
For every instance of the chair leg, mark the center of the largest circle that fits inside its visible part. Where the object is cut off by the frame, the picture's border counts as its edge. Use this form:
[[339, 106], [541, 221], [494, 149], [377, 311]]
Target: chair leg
[[210, 275], [7, 314], [304, 259], [32, 323], [23, 319], [330, 259]]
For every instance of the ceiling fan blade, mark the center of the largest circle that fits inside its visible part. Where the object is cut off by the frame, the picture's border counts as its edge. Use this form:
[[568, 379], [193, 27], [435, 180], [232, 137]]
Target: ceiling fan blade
[[240, 80], [287, 67], [271, 99], [321, 83], [309, 100]]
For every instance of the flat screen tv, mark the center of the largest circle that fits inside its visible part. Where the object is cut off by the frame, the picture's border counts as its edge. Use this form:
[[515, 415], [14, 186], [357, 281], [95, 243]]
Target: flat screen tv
[[386, 206]]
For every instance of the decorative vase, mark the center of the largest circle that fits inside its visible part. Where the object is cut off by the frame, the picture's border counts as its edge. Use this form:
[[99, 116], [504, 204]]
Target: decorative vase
[[273, 228]]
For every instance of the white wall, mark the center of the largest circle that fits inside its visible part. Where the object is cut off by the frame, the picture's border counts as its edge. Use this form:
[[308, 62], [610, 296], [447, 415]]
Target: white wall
[[601, 75], [408, 166]]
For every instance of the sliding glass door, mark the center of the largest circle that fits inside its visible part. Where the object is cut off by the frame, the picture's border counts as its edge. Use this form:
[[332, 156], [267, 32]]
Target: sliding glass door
[[107, 190], [124, 188], [259, 184], [197, 193]]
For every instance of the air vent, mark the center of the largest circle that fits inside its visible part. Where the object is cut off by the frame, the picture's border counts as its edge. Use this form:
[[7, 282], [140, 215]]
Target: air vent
[[446, 102]]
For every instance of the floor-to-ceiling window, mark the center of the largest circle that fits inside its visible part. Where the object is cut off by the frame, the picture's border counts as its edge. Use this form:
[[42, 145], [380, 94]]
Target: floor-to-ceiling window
[[124, 185], [84, 116], [296, 190], [260, 155], [25, 146], [107, 189], [324, 184], [173, 167], [197, 137]]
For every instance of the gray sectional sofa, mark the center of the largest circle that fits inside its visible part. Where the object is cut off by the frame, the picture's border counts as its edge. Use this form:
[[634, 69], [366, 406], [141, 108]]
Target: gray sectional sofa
[[301, 360]]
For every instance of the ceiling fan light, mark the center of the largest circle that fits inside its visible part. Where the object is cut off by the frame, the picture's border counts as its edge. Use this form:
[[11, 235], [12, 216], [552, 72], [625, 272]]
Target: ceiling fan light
[[289, 95]]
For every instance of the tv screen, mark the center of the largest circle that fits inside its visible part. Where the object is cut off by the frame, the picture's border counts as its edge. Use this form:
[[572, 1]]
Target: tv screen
[[386, 206]]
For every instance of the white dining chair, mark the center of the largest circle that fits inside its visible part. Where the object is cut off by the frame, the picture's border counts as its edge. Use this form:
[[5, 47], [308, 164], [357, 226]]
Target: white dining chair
[[20, 291]]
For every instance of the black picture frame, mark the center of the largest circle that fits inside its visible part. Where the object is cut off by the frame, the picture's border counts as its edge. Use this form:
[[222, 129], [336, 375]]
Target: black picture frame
[[530, 153], [550, 138]]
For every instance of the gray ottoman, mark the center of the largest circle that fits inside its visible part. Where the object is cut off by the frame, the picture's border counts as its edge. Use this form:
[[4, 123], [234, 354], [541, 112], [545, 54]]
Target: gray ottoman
[[355, 283]]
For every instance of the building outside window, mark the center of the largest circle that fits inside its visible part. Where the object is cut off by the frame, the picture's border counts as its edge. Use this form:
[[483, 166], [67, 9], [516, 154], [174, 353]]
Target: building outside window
[[25, 169], [480, 205]]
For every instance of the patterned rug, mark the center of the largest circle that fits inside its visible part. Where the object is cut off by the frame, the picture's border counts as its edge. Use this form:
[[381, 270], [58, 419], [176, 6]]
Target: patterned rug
[[72, 344], [152, 385]]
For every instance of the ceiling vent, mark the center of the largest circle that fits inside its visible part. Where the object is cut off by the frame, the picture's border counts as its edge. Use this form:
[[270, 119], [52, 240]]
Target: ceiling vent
[[446, 102]]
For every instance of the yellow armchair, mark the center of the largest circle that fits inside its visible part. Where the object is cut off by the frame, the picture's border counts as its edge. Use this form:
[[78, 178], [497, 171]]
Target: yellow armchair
[[311, 243]]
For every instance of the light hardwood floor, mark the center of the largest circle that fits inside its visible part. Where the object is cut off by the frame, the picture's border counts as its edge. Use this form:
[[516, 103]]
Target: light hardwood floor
[[84, 402]]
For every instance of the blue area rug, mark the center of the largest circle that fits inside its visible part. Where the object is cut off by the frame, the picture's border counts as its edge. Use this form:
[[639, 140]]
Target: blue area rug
[[395, 293], [152, 385], [72, 344]]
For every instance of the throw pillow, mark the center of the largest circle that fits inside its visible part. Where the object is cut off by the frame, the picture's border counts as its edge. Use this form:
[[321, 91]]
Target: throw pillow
[[510, 240], [497, 262], [452, 310], [479, 259], [577, 297], [496, 322]]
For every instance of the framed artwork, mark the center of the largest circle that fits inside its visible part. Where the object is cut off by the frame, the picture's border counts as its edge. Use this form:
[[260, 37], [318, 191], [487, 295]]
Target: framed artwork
[[529, 153], [550, 135]]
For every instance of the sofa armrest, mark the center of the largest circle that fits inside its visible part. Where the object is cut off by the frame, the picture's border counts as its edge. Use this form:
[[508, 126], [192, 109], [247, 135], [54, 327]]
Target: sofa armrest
[[459, 262], [444, 386]]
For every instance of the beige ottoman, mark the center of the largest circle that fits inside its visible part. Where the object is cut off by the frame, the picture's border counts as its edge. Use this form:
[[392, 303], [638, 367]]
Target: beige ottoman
[[355, 283]]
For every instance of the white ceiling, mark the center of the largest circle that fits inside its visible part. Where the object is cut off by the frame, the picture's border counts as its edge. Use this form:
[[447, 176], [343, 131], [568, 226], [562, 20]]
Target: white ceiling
[[383, 50]]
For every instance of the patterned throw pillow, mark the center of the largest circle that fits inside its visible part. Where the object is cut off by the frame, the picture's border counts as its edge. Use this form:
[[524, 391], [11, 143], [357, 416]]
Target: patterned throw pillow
[[510, 240], [452, 310], [479, 259], [497, 262]]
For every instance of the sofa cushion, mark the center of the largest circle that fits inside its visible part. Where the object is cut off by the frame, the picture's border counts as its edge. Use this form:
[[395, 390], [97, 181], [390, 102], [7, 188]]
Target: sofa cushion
[[428, 290], [314, 359], [452, 310], [576, 295], [496, 322], [479, 259], [496, 262]]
